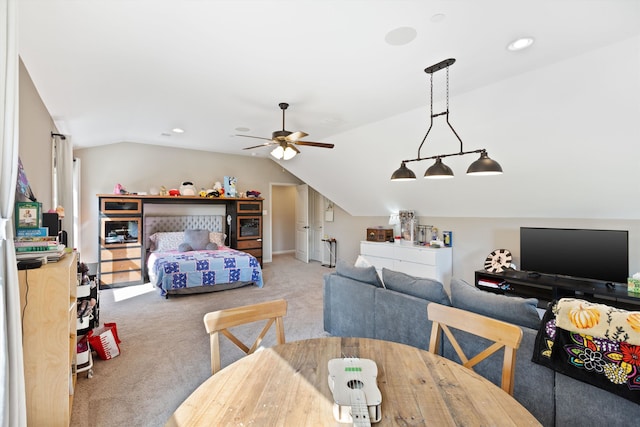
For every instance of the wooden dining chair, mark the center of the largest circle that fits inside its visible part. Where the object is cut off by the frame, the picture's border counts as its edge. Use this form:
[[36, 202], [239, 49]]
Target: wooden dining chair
[[217, 322], [502, 334]]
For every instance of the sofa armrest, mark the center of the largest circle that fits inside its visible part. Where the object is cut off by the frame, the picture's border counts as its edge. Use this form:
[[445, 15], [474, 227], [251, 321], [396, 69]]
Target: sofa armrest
[[348, 307]]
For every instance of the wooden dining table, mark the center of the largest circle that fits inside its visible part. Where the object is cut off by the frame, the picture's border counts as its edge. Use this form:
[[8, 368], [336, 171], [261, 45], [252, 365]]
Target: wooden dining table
[[287, 385]]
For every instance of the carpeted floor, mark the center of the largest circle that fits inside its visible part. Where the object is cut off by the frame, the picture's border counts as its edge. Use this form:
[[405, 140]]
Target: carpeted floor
[[165, 349]]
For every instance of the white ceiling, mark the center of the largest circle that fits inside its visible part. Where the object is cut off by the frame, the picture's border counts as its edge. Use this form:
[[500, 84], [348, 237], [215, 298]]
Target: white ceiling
[[113, 71]]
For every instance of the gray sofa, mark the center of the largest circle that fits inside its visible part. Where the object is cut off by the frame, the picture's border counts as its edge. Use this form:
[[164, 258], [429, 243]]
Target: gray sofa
[[357, 304]]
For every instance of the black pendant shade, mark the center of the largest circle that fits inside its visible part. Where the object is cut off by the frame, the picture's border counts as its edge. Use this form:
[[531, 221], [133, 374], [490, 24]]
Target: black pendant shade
[[484, 166], [403, 173], [438, 171]]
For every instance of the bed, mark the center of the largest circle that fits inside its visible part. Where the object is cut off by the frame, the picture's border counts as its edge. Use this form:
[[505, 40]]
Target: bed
[[176, 272]]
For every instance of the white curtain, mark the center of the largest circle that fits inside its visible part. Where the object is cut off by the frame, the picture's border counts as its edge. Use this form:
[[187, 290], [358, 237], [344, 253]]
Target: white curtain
[[12, 390], [63, 183]]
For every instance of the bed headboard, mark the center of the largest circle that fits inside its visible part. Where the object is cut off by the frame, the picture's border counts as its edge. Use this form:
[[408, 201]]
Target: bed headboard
[[155, 224]]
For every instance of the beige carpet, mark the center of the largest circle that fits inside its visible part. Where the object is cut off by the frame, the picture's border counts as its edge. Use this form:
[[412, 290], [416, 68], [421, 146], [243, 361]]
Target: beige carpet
[[165, 349]]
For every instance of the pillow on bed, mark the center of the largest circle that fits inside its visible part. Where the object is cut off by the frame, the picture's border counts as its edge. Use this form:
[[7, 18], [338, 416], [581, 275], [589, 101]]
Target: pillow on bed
[[166, 240], [217, 238], [196, 240]]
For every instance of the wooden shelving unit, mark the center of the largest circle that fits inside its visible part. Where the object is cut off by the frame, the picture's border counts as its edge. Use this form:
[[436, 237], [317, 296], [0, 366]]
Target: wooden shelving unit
[[48, 304]]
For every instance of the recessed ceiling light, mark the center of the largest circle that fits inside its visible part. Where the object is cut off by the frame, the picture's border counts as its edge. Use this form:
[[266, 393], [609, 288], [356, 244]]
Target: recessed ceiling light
[[243, 129], [401, 36], [438, 17], [519, 44], [178, 130], [165, 134]]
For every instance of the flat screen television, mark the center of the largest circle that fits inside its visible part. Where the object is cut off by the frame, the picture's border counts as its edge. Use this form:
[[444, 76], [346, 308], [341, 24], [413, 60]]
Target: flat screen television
[[601, 255]]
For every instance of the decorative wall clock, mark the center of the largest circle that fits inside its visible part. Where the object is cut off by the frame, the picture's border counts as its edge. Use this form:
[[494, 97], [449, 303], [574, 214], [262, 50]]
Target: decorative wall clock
[[498, 261]]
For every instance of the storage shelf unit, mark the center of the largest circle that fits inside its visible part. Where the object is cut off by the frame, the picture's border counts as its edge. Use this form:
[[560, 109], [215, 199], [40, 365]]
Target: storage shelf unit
[[419, 261], [120, 241], [48, 301], [547, 287], [246, 226]]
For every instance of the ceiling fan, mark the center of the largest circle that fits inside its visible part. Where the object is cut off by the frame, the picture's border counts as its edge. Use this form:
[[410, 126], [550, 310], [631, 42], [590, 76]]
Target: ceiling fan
[[285, 141]]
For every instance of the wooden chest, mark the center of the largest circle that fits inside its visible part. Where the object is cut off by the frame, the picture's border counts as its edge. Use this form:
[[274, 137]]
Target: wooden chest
[[380, 234]]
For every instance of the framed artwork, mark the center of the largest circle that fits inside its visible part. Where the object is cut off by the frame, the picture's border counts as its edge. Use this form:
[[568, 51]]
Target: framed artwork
[[27, 215]]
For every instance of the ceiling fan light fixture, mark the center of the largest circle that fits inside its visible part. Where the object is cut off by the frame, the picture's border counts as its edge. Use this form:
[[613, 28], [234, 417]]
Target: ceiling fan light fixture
[[278, 152], [438, 171], [289, 153], [285, 142], [484, 166], [403, 173]]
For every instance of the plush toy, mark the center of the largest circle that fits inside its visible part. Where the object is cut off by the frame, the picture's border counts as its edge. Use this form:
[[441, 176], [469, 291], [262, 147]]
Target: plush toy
[[187, 189], [196, 240]]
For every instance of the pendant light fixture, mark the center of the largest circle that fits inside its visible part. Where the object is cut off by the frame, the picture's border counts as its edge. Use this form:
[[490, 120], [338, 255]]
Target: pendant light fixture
[[483, 166]]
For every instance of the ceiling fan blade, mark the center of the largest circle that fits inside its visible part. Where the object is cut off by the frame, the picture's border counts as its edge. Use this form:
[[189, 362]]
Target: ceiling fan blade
[[292, 137], [293, 147], [266, 144], [256, 137], [314, 144]]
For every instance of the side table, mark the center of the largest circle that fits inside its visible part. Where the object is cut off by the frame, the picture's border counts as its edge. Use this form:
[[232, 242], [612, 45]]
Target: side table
[[333, 248]]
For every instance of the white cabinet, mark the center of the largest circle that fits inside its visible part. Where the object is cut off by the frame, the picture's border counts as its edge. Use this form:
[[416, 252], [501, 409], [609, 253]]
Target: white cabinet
[[419, 261]]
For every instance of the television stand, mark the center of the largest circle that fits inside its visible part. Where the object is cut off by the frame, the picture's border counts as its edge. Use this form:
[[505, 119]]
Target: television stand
[[548, 287]]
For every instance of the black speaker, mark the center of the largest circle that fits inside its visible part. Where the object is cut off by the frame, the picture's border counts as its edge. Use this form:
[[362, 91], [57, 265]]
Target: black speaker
[[52, 221]]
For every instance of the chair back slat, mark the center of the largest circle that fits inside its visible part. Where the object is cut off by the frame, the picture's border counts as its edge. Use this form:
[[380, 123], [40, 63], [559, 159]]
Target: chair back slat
[[504, 335], [220, 321]]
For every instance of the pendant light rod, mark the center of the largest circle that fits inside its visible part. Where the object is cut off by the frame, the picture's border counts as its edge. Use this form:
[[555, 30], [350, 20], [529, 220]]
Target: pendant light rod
[[441, 156]]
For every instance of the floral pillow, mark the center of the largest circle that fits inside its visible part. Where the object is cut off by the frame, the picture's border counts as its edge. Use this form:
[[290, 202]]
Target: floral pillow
[[166, 241], [217, 238]]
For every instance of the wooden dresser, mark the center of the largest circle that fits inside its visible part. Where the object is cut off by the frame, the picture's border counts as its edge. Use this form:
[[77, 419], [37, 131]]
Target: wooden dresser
[[48, 304]]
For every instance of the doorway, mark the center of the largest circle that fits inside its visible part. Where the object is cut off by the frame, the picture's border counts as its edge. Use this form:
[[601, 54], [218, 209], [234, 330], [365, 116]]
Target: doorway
[[283, 221]]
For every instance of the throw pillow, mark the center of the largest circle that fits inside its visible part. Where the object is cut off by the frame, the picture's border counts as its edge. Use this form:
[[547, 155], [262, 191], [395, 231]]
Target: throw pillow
[[516, 310], [196, 240], [363, 262], [361, 274], [418, 287], [166, 241], [217, 237]]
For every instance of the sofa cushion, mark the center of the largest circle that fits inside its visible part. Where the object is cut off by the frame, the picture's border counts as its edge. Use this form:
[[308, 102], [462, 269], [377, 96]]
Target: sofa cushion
[[361, 274], [516, 310], [418, 287]]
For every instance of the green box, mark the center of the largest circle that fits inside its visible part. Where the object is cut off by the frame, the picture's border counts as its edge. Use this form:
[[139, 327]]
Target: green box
[[633, 285], [27, 215]]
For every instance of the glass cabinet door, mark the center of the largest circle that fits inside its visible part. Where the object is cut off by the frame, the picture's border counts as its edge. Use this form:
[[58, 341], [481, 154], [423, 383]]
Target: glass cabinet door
[[249, 227]]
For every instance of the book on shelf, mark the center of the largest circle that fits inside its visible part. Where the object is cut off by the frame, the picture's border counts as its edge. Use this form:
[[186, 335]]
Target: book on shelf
[[52, 255], [32, 232], [34, 239], [28, 215], [42, 244], [44, 248]]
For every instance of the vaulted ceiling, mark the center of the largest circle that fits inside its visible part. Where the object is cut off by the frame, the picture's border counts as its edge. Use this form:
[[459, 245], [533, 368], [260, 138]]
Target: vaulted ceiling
[[352, 72]]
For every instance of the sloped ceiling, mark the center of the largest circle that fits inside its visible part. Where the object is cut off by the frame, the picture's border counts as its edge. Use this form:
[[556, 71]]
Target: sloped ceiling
[[560, 116]]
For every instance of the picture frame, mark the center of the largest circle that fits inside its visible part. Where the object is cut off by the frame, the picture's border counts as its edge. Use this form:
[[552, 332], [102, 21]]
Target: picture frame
[[27, 215]]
